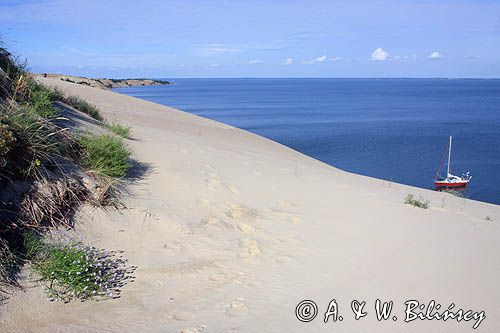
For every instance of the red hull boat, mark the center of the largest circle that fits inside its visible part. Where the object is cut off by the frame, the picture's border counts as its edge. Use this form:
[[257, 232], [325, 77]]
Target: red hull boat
[[450, 180]]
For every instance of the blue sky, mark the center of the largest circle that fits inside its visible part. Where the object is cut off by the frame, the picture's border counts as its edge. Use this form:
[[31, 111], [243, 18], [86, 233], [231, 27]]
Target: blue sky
[[256, 38]]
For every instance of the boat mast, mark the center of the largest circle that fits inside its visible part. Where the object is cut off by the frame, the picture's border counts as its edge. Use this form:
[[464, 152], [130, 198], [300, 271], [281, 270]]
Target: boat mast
[[449, 157]]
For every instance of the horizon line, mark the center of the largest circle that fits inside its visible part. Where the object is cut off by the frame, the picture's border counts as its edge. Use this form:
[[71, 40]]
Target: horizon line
[[290, 77]]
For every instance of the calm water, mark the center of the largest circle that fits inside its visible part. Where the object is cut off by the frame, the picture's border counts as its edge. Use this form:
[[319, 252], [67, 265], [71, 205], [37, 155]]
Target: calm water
[[394, 129]]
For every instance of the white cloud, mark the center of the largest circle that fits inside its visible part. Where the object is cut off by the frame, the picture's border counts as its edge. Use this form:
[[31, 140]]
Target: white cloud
[[435, 55], [289, 61], [316, 60], [379, 54], [255, 61], [335, 59], [320, 59]]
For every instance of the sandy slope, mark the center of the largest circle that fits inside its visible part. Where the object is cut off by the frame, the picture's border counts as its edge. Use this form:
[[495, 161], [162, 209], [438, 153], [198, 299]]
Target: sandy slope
[[230, 231]]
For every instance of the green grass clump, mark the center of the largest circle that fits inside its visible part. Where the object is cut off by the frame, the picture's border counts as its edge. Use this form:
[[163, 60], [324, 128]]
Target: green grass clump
[[420, 202], [105, 154], [40, 101], [83, 106], [74, 270], [120, 130]]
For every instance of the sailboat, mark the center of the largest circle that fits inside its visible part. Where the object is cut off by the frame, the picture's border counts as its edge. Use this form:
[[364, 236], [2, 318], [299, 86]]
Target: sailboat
[[450, 180]]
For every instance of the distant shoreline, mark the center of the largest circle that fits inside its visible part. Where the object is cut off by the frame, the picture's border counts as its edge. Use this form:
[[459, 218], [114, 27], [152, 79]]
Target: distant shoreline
[[105, 83]]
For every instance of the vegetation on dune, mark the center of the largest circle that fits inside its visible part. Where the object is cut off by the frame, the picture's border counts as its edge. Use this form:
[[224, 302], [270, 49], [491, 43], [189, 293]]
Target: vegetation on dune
[[41, 185], [120, 130], [83, 106], [417, 202], [40, 99], [105, 154], [74, 270], [31, 145]]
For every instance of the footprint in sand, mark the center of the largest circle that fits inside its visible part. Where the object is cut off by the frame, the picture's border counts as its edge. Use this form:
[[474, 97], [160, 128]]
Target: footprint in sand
[[236, 211], [246, 228], [237, 278], [237, 308], [293, 219], [233, 189], [286, 216], [173, 248], [211, 183], [250, 248], [210, 220], [196, 329], [203, 202], [214, 221], [211, 174], [286, 204], [283, 259]]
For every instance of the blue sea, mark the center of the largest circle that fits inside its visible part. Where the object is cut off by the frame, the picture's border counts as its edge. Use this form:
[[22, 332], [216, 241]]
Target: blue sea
[[393, 129]]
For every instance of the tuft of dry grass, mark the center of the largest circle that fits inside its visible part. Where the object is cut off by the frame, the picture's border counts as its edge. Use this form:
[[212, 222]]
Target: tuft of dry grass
[[52, 203]]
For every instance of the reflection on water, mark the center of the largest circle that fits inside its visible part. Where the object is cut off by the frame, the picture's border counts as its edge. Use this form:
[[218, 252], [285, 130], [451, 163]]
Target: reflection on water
[[461, 192]]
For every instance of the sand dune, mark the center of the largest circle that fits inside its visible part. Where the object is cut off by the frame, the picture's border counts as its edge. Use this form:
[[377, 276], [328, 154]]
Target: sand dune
[[230, 231]]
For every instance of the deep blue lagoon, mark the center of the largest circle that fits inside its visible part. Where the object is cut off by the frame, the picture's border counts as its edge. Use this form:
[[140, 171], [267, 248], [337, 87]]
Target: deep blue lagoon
[[394, 129]]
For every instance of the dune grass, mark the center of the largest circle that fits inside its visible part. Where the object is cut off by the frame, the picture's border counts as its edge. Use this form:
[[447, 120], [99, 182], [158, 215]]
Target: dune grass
[[74, 270], [105, 155], [120, 130], [84, 107], [417, 202], [30, 144], [77, 103], [40, 101]]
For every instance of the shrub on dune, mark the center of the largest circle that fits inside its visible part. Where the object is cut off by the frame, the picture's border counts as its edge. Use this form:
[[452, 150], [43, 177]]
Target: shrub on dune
[[105, 154], [417, 202], [75, 270]]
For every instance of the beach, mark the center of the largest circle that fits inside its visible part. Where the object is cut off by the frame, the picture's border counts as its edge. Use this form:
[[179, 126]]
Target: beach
[[231, 231]]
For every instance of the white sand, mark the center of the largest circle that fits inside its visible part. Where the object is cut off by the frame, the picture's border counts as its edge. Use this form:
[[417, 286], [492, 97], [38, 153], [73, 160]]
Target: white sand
[[230, 231]]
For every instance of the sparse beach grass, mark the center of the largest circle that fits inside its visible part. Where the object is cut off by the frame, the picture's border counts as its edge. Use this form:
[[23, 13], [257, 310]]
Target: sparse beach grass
[[120, 130], [78, 103], [84, 107], [105, 155], [74, 270], [419, 202]]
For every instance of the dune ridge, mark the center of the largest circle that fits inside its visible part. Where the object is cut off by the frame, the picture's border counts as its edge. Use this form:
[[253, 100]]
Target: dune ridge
[[230, 231]]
